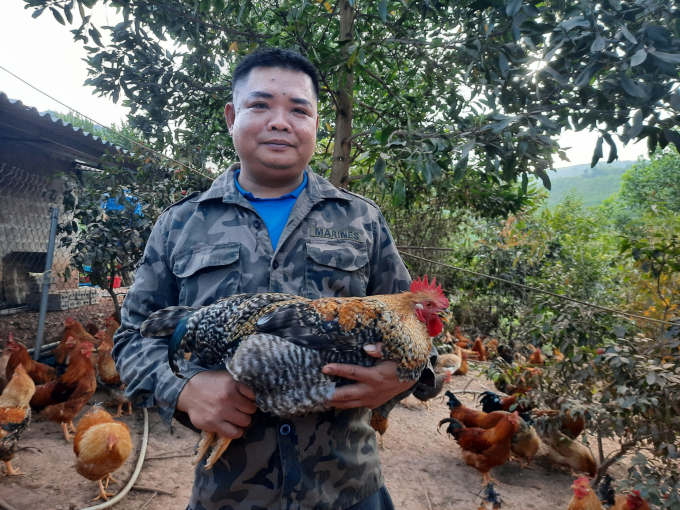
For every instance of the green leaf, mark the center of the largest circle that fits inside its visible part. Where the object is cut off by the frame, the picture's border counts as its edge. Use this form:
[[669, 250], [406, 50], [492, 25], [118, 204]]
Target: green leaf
[[639, 57], [513, 7], [598, 45], [379, 170], [57, 15], [673, 137], [597, 153], [204, 6], [613, 153], [630, 86], [37, 13], [628, 35], [398, 192], [651, 378], [460, 169], [382, 10]]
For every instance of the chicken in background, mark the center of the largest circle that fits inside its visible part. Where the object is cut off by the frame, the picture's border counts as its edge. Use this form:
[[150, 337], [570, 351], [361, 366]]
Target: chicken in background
[[450, 362], [425, 393], [492, 499], [484, 449], [91, 328], [492, 348], [4, 358], [109, 380], [506, 354], [274, 329], [102, 445], [103, 338], [379, 423], [537, 357], [631, 502], [525, 443], [112, 326], [74, 329], [571, 424], [568, 453], [493, 402], [18, 355], [463, 370], [471, 417], [62, 399], [15, 414], [479, 348], [605, 492], [584, 497], [463, 342], [558, 357]]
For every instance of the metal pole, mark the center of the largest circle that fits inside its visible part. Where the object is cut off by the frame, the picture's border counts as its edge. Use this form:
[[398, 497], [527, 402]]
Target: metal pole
[[47, 276]]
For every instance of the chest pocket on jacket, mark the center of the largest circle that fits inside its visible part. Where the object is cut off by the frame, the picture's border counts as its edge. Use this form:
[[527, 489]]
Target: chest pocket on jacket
[[335, 269], [207, 273]]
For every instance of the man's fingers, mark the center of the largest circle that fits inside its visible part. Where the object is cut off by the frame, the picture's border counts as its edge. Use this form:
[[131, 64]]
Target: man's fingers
[[352, 372], [349, 404], [229, 430], [374, 350], [245, 390], [239, 419]]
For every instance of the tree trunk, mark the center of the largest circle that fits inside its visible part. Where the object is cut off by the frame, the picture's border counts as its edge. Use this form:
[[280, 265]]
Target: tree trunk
[[343, 97]]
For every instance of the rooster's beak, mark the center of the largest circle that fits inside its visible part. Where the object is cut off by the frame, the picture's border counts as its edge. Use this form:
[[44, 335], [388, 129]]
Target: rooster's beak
[[445, 315]]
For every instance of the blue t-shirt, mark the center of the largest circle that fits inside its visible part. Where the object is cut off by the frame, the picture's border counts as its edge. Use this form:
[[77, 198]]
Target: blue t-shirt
[[273, 211]]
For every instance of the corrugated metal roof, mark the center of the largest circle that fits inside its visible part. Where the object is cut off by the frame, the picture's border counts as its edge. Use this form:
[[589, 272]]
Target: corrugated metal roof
[[13, 113]]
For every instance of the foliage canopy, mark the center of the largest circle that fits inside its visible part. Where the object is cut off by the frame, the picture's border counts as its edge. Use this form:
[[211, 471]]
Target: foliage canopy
[[413, 92]]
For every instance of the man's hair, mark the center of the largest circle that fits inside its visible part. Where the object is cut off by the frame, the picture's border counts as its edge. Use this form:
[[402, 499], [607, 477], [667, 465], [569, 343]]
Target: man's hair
[[275, 57]]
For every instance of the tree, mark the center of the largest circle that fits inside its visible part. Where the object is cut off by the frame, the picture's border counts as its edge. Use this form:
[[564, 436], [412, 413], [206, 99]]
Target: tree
[[112, 210], [415, 91]]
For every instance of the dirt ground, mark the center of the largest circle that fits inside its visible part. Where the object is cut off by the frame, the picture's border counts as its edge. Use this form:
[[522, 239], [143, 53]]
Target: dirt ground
[[423, 469]]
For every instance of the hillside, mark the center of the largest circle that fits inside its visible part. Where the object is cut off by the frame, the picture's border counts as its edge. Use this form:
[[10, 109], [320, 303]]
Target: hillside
[[592, 185]]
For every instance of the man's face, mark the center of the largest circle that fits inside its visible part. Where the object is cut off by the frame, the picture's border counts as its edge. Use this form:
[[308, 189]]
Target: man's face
[[273, 122]]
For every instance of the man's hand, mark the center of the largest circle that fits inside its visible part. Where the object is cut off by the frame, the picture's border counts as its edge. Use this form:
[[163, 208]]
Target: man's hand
[[375, 385], [216, 402]]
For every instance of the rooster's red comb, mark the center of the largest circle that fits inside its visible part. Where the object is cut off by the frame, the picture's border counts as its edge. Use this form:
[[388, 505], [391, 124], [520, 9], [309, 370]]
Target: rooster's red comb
[[584, 480], [418, 285]]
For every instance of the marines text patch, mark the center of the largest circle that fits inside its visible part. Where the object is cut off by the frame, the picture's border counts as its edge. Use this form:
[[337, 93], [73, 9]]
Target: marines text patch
[[352, 235]]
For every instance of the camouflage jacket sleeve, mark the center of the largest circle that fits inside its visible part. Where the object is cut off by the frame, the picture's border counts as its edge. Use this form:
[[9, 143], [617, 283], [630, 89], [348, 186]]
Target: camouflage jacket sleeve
[[143, 362]]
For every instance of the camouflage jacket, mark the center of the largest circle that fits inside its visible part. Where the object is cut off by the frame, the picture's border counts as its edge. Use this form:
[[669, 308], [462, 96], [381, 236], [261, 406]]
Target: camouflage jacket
[[214, 244]]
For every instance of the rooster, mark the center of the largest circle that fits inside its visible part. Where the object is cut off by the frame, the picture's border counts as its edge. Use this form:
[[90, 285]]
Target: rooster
[[525, 443], [484, 449], [15, 414], [463, 369], [584, 497], [39, 372], [62, 399], [492, 402], [101, 445], [294, 338], [425, 393], [631, 502], [463, 342]]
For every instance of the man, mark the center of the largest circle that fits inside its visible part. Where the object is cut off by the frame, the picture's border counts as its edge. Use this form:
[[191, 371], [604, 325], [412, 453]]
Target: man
[[268, 224]]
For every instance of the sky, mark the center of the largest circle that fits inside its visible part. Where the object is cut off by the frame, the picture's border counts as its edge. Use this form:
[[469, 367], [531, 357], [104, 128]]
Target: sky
[[43, 53]]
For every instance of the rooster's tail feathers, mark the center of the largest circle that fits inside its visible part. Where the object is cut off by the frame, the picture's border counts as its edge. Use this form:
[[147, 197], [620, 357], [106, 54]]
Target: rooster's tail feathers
[[455, 427], [453, 401], [167, 322], [163, 322]]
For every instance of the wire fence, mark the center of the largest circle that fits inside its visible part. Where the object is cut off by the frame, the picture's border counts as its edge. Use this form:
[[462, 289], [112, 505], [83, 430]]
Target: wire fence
[[28, 279]]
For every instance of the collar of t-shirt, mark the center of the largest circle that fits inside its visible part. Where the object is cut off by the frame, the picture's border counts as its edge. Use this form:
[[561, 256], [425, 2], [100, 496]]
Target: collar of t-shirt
[[273, 211]]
